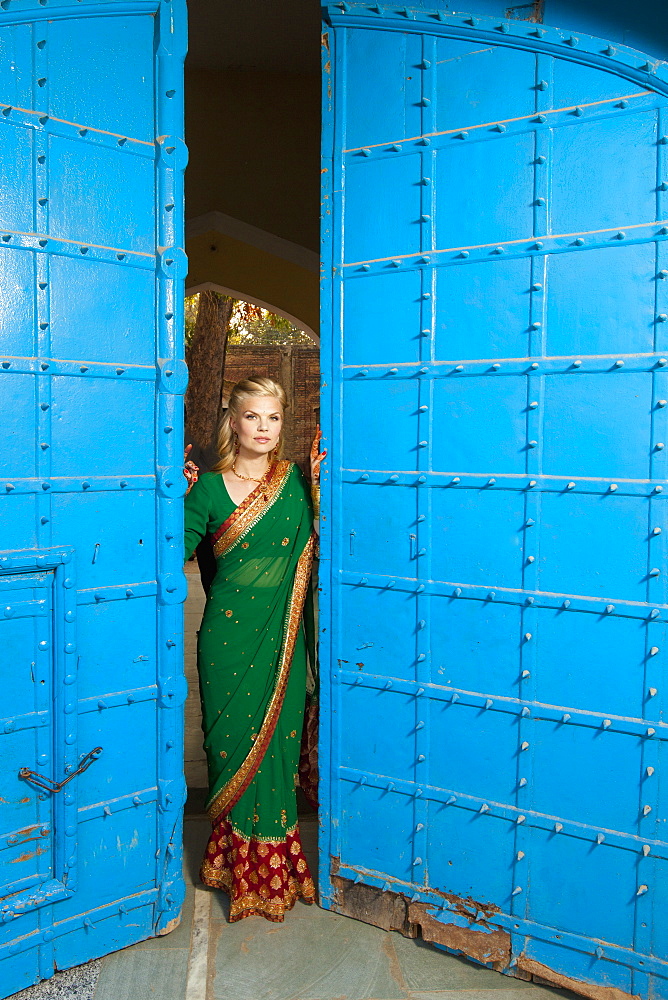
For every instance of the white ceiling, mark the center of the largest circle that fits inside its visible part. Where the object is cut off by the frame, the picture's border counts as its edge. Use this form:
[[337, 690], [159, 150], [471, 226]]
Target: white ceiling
[[249, 34]]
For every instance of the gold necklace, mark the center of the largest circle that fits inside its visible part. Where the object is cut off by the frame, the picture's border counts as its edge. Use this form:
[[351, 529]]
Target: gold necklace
[[248, 479]]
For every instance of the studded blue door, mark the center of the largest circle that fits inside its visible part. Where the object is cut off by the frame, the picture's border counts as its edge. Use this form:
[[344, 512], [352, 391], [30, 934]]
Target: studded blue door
[[90, 558], [494, 597]]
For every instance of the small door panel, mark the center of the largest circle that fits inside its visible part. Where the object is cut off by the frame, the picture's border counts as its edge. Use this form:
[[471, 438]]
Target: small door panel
[[602, 301], [625, 151], [114, 306], [88, 202], [484, 311], [461, 168], [90, 79]]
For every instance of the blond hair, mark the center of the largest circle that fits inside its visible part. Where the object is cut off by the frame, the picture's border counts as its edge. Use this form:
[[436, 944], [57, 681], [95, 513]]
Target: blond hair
[[255, 386]]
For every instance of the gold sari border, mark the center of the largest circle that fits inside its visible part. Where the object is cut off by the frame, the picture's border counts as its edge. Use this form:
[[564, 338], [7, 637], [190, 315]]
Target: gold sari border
[[230, 794], [248, 513]]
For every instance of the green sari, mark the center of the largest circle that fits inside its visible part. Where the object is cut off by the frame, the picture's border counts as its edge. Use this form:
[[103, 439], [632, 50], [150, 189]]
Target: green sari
[[252, 660]]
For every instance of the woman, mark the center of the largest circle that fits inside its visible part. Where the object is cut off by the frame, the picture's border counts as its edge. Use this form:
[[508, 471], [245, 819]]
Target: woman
[[252, 652]]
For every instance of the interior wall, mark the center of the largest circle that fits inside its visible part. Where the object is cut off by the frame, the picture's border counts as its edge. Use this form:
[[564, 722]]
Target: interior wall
[[254, 140], [252, 272]]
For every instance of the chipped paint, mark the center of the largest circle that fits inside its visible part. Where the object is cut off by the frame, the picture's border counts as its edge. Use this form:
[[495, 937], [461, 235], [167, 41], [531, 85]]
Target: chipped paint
[[565, 982], [28, 855], [490, 946]]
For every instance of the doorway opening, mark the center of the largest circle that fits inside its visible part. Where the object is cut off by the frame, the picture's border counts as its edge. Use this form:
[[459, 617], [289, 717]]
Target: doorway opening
[[233, 338]]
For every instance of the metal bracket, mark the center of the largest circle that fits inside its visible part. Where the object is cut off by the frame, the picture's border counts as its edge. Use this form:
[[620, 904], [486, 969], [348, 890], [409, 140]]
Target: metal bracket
[[54, 786]]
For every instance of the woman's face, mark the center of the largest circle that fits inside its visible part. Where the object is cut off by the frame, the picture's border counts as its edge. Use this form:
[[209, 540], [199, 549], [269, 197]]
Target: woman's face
[[258, 425]]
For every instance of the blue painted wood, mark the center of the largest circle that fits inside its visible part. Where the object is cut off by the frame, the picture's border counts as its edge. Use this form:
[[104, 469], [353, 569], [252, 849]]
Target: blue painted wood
[[494, 600], [91, 385]]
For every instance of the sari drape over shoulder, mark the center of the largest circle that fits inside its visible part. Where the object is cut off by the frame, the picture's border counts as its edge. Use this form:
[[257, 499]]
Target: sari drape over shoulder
[[252, 660]]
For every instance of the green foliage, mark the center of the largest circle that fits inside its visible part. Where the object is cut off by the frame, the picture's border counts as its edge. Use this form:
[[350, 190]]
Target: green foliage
[[250, 324]]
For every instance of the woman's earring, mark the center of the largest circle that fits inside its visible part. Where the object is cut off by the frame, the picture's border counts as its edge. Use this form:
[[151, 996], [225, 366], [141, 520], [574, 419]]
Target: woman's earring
[[236, 443]]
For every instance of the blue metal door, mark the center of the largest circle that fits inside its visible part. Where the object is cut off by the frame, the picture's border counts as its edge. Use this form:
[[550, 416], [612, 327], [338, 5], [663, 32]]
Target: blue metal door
[[496, 280], [91, 379]]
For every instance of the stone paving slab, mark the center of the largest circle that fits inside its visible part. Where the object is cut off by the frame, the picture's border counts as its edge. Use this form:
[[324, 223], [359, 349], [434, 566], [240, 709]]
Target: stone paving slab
[[314, 955]]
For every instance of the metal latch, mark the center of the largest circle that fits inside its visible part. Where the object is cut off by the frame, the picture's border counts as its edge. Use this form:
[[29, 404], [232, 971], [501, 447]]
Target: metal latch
[[54, 786]]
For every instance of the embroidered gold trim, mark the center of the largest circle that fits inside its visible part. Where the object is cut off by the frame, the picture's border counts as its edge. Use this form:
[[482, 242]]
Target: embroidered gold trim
[[252, 903], [249, 512], [223, 801]]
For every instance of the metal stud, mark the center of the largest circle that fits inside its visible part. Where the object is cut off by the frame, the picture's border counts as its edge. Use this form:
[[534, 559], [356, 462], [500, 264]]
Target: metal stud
[[607, 723], [645, 850], [570, 486], [489, 703], [642, 889], [609, 608], [612, 488], [565, 717], [558, 827], [600, 838]]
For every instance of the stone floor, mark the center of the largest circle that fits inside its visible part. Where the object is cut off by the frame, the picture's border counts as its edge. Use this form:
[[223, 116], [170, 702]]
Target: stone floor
[[314, 955]]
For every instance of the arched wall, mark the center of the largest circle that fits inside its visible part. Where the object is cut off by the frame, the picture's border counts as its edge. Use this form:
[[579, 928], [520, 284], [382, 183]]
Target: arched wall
[[255, 266]]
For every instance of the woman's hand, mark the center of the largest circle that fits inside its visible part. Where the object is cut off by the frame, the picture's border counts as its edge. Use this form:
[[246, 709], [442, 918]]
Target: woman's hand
[[190, 470], [317, 457]]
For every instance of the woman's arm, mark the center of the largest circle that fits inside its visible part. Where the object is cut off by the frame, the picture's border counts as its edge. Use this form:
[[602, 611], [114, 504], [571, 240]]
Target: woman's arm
[[196, 516], [317, 457]]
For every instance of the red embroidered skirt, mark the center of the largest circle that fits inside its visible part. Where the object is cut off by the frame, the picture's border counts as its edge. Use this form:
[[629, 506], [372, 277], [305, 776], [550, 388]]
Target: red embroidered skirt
[[262, 877]]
